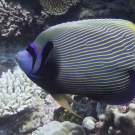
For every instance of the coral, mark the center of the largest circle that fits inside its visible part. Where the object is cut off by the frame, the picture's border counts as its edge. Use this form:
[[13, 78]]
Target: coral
[[14, 18], [40, 113], [43, 21], [57, 7], [90, 125], [57, 128], [24, 19], [16, 92], [21, 20], [106, 8], [118, 120], [86, 14], [27, 122]]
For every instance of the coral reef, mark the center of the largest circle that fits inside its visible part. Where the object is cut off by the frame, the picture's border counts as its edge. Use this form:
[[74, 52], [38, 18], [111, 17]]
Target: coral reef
[[40, 113], [105, 8], [14, 18], [21, 20], [58, 7], [57, 128], [99, 9], [28, 18], [118, 120], [16, 92]]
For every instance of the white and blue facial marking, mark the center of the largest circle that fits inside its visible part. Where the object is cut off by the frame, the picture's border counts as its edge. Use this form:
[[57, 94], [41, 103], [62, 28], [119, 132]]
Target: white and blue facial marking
[[32, 60], [24, 57]]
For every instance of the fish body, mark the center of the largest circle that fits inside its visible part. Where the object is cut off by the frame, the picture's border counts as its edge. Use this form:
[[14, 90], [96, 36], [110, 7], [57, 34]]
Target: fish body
[[93, 58]]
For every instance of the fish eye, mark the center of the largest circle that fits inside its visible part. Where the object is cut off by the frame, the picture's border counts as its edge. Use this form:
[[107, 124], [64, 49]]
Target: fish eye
[[42, 58], [32, 53], [48, 47], [46, 51]]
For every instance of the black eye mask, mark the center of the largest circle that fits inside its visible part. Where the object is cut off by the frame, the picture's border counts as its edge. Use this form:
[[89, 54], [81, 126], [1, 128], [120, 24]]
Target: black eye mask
[[44, 53], [32, 51]]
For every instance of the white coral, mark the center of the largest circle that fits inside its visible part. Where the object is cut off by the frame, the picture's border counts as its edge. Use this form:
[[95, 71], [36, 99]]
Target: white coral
[[57, 128], [16, 92]]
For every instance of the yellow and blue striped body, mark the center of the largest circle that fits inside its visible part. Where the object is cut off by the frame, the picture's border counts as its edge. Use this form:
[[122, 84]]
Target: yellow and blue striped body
[[94, 58]]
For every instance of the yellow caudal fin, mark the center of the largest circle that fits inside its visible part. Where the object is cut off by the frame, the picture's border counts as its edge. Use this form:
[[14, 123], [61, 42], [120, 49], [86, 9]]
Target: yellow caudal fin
[[64, 100]]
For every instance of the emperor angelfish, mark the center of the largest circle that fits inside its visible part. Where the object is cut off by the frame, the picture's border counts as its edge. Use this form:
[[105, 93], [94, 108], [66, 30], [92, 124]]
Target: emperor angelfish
[[93, 58]]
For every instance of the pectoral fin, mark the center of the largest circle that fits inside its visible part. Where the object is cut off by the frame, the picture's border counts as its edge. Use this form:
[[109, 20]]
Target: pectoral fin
[[64, 100]]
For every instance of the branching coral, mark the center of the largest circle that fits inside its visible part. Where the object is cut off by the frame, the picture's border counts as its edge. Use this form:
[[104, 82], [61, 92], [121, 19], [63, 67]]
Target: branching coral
[[14, 18], [16, 92]]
